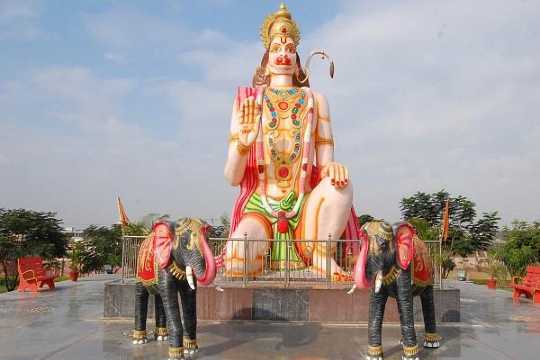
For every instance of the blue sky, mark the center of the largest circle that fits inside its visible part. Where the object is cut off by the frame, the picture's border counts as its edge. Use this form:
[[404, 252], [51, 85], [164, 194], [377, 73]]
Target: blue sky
[[133, 97]]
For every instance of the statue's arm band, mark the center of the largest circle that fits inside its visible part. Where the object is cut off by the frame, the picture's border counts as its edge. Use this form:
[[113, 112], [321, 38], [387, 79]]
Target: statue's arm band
[[233, 137], [242, 149], [324, 141], [324, 118]]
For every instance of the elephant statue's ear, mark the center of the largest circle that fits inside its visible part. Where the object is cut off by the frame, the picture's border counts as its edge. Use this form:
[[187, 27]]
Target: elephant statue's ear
[[163, 235], [403, 235], [359, 271]]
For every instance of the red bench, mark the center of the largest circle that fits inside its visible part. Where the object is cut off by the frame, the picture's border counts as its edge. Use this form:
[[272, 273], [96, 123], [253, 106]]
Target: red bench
[[32, 275], [529, 285]]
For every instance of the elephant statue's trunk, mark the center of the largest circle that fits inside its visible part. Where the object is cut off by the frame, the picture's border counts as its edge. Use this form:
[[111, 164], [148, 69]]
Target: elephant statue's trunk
[[359, 272], [210, 268]]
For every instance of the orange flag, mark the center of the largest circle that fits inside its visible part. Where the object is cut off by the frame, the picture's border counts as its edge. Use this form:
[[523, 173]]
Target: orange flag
[[123, 218], [444, 225]]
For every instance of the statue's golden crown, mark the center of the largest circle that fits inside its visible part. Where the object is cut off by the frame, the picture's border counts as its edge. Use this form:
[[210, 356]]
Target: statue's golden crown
[[279, 23]]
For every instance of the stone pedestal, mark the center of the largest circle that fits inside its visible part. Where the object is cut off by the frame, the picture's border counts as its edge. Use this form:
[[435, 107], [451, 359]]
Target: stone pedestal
[[267, 302]]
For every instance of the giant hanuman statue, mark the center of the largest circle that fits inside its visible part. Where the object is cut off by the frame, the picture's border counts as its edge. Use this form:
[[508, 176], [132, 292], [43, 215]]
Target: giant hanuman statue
[[281, 154]]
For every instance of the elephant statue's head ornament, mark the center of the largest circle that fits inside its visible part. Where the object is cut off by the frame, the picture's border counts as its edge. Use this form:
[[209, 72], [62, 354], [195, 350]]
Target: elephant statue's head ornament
[[187, 250], [384, 246]]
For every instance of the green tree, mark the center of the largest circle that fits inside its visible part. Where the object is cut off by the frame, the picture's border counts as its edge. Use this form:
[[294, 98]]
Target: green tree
[[521, 246], [101, 246], [136, 229], [364, 218], [424, 229], [26, 233], [465, 234]]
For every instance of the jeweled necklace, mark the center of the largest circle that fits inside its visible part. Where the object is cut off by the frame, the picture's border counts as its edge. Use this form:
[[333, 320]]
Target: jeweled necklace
[[284, 98], [307, 157], [285, 108]]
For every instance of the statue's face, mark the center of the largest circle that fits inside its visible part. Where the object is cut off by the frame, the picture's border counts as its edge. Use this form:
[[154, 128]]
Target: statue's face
[[282, 56]]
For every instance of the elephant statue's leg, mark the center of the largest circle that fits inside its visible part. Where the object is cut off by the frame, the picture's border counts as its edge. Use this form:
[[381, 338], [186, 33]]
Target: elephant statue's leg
[[141, 313], [169, 294], [377, 303], [431, 339], [161, 319], [189, 312], [404, 301]]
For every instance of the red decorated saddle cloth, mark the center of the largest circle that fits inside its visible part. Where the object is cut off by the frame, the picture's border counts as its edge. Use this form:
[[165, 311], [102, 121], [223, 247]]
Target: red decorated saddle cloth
[[147, 267], [422, 265]]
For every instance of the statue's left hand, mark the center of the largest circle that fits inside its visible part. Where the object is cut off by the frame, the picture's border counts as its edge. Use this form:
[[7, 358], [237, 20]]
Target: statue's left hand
[[338, 174]]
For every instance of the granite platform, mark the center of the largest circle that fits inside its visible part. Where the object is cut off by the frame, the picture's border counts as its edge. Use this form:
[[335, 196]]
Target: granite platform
[[299, 302]]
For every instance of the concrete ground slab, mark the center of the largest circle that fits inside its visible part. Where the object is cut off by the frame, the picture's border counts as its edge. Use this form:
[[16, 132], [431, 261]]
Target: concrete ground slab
[[68, 324]]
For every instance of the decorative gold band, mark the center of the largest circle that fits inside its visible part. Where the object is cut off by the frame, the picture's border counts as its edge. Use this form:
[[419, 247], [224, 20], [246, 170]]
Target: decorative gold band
[[176, 352], [176, 271], [190, 343], [392, 275], [432, 337], [233, 137], [324, 141], [139, 334], [242, 149], [161, 331], [323, 118], [375, 350], [410, 350]]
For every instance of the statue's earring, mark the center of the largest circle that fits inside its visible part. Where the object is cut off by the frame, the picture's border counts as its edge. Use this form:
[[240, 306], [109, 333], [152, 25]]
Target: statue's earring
[[297, 74]]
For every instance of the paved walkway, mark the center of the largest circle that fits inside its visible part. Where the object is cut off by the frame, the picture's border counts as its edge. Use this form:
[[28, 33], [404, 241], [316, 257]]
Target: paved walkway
[[67, 324]]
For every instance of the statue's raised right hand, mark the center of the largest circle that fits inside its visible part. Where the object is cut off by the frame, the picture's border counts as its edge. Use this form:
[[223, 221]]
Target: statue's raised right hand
[[248, 115]]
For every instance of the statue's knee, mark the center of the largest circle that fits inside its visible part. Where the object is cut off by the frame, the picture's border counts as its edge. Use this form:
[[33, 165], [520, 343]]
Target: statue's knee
[[344, 194]]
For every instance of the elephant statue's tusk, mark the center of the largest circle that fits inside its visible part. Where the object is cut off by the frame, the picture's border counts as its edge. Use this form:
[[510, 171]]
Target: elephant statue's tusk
[[350, 292], [219, 288], [189, 276], [378, 281]]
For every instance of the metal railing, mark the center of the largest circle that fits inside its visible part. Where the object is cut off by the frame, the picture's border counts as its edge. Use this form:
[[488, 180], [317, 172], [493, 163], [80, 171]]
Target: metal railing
[[275, 262], [435, 248], [130, 250], [284, 261]]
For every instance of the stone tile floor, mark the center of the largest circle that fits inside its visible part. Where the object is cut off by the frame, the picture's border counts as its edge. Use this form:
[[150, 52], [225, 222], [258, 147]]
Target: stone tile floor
[[68, 324]]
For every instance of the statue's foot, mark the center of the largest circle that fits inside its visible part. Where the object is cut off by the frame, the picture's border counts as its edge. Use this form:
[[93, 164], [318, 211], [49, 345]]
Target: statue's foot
[[161, 334], [176, 353], [341, 277], [191, 353], [190, 347], [410, 352], [319, 267], [432, 340], [375, 352], [139, 337]]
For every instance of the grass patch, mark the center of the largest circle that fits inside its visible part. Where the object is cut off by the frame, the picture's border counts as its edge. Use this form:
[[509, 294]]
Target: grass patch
[[62, 278], [3, 288]]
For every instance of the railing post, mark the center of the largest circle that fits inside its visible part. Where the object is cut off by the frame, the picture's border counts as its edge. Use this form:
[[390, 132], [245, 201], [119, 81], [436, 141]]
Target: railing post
[[123, 258], [244, 279], [440, 264], [328, 261], [287, 262]]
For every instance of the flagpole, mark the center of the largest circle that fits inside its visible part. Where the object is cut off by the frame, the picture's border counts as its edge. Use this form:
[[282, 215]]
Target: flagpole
[[443, 235], [123, 221]]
